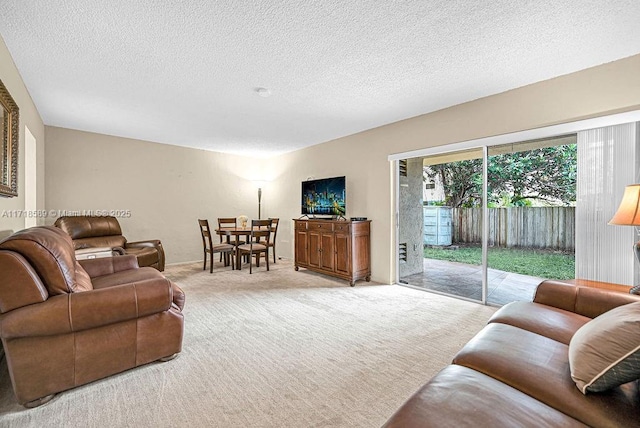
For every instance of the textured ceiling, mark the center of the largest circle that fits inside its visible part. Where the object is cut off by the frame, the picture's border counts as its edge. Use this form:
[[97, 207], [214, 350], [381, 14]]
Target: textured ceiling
[[185, 72]]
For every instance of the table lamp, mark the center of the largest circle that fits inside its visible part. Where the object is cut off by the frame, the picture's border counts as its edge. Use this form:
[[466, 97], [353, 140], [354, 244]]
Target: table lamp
[[628, 214]]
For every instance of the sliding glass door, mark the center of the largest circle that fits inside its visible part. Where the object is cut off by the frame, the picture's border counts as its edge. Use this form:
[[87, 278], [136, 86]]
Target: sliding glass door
[[489, 227], [489, 223], [440, 223], [531, 203]]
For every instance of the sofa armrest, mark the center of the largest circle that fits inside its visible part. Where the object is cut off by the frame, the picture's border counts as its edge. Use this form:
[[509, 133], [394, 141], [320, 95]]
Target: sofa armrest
[[583, 300], [155, 243], [68, 313], [108, 265], [178, 296], [148, 243]]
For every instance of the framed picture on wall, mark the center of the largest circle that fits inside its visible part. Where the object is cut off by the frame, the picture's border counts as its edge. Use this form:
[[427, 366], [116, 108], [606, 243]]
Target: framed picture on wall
[[9, 141]]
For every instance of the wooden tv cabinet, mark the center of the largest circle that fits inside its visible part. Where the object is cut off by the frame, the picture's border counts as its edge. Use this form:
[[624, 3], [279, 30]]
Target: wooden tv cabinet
[[339, 248]]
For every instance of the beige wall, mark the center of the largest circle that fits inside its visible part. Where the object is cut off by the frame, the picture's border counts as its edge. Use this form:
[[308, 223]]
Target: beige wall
[[166, 188], [30, 118]]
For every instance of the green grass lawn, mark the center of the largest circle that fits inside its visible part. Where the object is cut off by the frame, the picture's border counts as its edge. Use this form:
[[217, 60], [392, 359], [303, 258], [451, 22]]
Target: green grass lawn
[[540, 263]]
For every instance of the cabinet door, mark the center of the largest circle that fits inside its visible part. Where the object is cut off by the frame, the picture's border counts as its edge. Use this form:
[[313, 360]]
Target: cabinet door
[[302, 248], [343, 253], [314, 248], [327, 256], [361, 250]]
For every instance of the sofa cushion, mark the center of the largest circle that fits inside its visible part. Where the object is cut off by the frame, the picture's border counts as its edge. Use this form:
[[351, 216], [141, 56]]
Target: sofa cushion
[[554, 323], [605, 352], [462, 397], [539, 367]]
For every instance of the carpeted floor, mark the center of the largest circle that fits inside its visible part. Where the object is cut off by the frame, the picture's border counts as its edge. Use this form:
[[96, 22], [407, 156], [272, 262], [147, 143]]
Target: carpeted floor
[[274, 349]]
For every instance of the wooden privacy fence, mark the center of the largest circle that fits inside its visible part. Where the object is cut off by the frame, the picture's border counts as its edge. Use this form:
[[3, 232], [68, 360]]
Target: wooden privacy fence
[[531, 227]]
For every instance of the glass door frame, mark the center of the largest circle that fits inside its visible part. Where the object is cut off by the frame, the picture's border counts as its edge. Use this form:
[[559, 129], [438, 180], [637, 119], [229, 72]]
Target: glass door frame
[[485, 224]]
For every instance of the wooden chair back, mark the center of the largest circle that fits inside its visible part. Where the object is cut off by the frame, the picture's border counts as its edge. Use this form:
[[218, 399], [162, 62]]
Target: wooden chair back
[[205, 231], [261, 231], [209, 248], [227, 222], [274, 227]]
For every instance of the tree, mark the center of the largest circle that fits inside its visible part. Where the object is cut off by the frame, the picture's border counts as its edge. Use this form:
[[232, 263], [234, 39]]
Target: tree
[[547, 174], [462, 181]]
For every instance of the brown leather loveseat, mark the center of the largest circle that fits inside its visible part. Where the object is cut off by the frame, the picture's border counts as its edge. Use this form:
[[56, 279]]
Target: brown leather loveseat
[[525, 367], [105, 231], [65, 323]]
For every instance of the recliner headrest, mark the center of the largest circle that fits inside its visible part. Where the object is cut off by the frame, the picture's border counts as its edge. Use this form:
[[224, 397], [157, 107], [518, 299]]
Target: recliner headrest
[[89, 226]]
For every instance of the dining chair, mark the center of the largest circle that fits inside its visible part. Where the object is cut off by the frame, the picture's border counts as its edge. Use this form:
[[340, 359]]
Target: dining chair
[[207, 244], [228, 222], [258, 244], [274, 233]]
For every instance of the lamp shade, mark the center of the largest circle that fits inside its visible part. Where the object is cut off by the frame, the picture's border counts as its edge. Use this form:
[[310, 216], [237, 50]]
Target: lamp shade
[[628, 213]]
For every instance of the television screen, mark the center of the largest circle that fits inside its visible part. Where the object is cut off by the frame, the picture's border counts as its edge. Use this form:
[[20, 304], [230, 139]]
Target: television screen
[[324, 197]]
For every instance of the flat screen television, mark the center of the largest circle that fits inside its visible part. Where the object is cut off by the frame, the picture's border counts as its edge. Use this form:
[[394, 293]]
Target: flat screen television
[[325, 196]]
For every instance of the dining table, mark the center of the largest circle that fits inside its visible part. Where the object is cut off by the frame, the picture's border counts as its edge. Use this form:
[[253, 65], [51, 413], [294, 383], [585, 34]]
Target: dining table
[[237, 232]]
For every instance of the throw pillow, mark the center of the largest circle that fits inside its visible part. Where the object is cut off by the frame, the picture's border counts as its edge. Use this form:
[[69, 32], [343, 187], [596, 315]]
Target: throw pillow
[[605, 352]]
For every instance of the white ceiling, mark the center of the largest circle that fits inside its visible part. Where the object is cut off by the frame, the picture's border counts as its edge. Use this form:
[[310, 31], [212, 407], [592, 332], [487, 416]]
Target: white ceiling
[[185, 72]]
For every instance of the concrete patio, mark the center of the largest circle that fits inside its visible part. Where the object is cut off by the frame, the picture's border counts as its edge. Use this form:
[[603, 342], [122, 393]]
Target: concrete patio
[[460, 279]]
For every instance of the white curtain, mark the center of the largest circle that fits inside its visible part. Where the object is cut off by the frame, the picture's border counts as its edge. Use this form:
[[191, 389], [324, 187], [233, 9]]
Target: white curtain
[[607, 162]]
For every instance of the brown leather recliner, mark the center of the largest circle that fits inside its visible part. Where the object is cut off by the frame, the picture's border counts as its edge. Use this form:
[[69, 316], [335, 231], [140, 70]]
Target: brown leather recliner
[[65, 323], [105, 231]]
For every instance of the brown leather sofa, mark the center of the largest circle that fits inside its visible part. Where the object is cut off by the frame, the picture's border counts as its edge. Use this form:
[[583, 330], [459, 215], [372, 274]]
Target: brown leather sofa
[[105, 231], [65, 323], [516, 371]]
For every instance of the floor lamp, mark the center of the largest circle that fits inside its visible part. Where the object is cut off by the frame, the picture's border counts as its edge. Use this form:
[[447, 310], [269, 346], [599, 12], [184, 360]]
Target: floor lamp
[[259, 184], [628, 214]]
